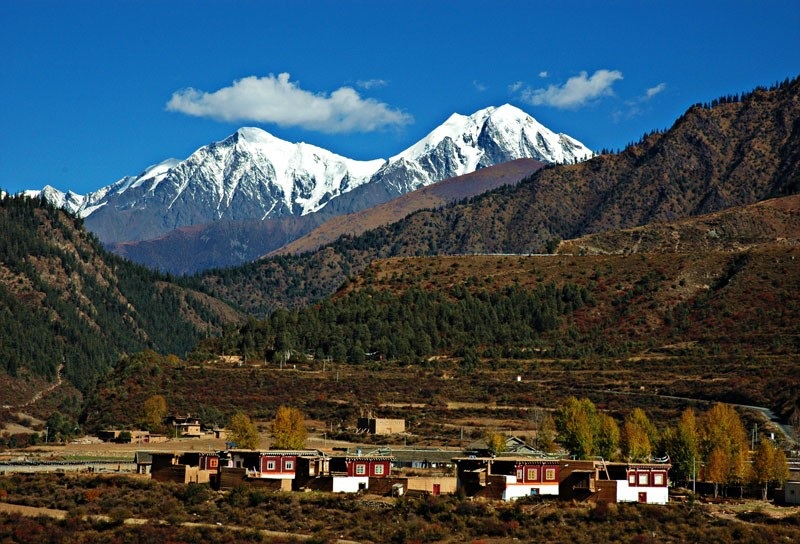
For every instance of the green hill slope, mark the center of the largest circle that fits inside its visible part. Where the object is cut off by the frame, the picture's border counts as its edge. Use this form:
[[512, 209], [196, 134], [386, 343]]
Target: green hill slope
[[66, 301]]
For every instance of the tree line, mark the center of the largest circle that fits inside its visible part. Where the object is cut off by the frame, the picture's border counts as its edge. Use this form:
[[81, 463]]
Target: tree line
[[712, 445], [379, 324]]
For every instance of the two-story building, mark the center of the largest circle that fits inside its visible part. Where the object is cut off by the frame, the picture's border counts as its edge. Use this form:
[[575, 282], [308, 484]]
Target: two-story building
[[186, 426], [507, 477], [614, 482], [277, 469], [352, 473], [512, 477]]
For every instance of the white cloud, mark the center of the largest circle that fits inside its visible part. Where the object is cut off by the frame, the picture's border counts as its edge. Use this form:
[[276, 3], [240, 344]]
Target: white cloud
[[480, 87], [576, 92], [543, 74], [276, 99], [635, 106], [368, 84], [652, 91], [514, 87]]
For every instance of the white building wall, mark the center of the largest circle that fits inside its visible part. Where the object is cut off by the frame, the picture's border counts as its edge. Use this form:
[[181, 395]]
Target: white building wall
[[628, 493], [516, 490], [349, 484]]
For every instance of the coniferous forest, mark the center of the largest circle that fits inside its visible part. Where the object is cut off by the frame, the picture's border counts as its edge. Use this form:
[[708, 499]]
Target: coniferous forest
[[64, 300]]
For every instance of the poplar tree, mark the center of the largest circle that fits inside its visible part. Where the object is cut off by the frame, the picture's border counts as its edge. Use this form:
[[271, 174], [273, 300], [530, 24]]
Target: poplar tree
[[243, 431], [577, 424], [724, 433], [769, 466], [154, 408], [638, 436], [607, 436], [288, 429], [681, 443], [496, 442], [546, 435], [635, 443]]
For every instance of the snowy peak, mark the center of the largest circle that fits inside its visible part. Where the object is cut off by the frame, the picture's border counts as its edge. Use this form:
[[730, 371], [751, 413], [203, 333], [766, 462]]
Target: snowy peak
[[520, 134], [463, 144], [252, 174], [498, 134], [69, 201]]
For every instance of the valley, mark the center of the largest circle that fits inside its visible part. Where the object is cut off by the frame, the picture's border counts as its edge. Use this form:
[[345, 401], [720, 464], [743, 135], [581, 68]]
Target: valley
[[652, 283]]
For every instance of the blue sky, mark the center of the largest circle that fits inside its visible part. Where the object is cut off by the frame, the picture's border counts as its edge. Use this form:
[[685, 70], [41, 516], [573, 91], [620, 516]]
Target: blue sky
[[95, 90]]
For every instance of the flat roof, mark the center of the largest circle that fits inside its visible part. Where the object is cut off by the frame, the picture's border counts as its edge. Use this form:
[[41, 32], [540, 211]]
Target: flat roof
[[514, 458]]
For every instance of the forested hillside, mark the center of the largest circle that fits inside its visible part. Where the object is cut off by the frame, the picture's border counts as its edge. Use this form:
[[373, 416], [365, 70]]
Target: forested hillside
[[552, 307], [451, 334], [735, 151], [66, 301]]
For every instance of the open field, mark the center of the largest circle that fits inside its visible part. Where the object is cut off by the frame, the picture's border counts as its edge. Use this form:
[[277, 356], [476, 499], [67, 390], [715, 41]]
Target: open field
[[443, 405]]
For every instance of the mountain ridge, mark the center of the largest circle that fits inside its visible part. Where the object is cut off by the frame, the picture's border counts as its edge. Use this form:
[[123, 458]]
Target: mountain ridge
[[430, 196], [729, 153], [252, 174]]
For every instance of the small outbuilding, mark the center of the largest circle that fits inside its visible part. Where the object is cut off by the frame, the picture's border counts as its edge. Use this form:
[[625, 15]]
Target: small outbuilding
[[791, 492], [376, 425]]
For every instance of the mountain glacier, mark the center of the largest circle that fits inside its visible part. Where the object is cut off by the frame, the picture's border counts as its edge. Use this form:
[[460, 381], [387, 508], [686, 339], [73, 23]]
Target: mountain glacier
[[254, 175]]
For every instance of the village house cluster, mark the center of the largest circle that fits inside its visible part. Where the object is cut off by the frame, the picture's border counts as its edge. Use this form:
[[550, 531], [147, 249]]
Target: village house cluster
[[480, 476]]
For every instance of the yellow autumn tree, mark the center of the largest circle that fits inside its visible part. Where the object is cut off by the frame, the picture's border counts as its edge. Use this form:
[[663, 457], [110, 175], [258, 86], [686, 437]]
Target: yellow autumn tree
[[717, 467], [638, 436], [635, 444], [577, 425], [607, 440], [722, 430], [154, 410], [288, 429], [546, 434], [682, 445], [769, 466], [242, 431], [496, 442]]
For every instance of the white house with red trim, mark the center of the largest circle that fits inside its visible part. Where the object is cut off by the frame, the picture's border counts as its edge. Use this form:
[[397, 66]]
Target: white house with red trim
[[507, 477], [282, 467], [643, 483], [600, 481], [351, 473]]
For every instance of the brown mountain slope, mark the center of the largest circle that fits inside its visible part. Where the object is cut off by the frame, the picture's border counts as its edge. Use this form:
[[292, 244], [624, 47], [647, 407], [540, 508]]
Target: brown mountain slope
[[715, 300], [432, 196], [219, 244], [715, 326], [733, 154], [771, 221]]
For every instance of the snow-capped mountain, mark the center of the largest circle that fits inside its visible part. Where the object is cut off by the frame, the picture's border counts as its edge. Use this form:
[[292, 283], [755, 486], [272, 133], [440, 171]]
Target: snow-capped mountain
[[69, 201], [254, 175], [249, 175], [463, 144]]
